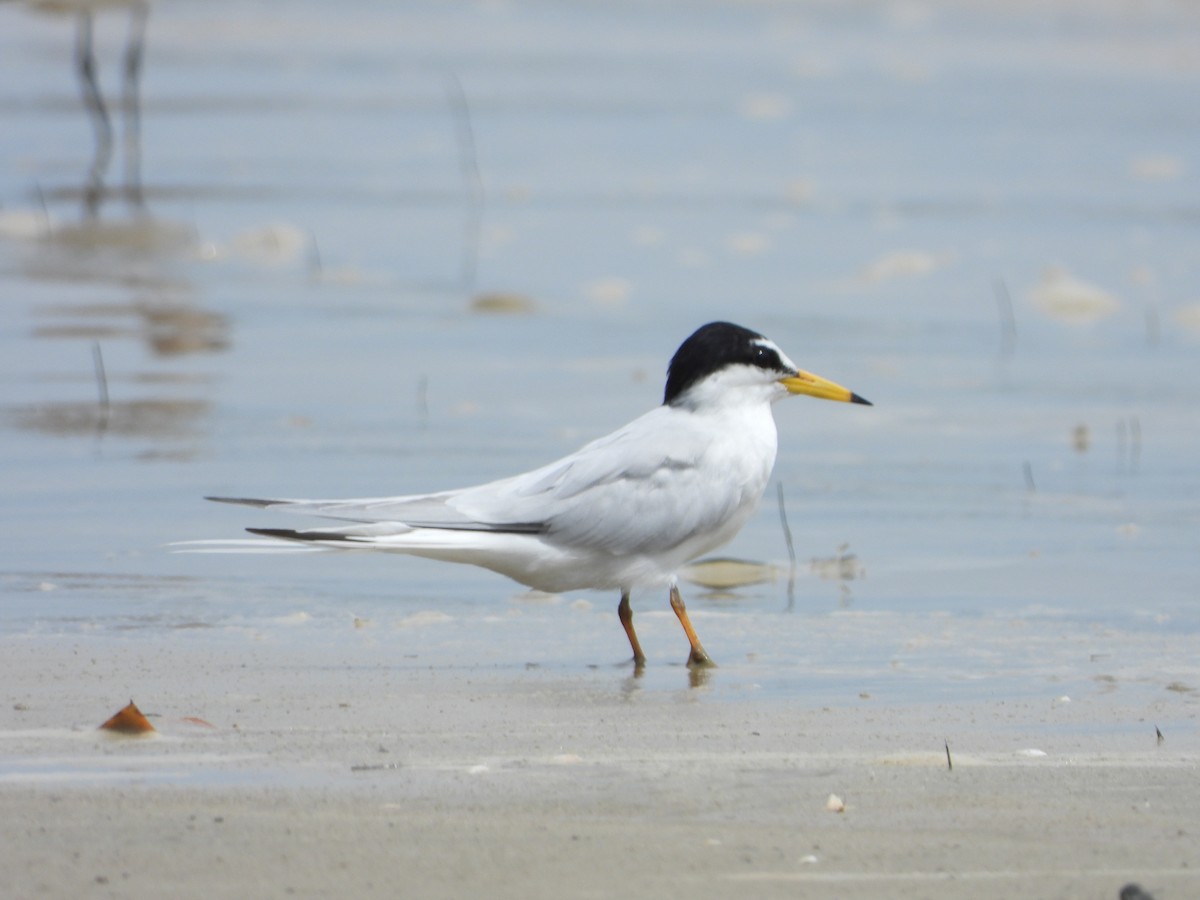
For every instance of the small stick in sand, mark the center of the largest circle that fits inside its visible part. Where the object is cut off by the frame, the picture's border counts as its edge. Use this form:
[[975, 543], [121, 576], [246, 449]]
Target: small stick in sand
[[949, 762]]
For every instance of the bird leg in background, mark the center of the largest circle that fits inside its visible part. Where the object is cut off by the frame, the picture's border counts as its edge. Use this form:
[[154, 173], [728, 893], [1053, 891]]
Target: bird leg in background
[[698, 657], [625, 613], [131, 102], [85, 67]]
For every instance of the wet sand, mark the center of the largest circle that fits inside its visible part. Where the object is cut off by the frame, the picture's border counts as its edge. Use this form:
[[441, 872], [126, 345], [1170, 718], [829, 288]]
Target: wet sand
[[278, 776]]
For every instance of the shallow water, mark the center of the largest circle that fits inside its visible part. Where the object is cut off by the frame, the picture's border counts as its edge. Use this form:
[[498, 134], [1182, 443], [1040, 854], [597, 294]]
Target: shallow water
[[296, 312]]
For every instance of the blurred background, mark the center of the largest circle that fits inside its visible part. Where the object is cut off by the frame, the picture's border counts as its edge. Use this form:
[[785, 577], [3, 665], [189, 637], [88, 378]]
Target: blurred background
[[359, 248]]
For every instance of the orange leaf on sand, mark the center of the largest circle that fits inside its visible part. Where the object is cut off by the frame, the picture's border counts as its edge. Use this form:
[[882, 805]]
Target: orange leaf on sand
[[196, 720], [129, 721]]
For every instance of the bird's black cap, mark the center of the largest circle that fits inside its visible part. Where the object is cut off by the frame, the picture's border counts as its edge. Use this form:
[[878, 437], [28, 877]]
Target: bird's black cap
[[712, 347]]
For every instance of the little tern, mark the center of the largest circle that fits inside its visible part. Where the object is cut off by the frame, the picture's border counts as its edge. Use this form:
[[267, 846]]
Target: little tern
[[625, 511]]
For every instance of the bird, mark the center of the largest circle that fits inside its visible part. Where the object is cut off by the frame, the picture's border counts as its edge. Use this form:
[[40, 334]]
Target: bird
[[93, 100], [625, 511]]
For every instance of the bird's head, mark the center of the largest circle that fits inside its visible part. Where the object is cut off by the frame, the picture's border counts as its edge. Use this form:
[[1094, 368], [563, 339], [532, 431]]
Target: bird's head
[[722, 359]]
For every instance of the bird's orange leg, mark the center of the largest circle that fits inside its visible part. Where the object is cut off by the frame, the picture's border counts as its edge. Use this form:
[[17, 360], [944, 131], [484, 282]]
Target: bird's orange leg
[[625, 613], [698, 658]]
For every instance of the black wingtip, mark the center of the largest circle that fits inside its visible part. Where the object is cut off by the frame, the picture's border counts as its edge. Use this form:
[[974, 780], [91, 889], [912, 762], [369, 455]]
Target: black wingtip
[[286, 533], [854, 398], [290, 534], [242, 501]]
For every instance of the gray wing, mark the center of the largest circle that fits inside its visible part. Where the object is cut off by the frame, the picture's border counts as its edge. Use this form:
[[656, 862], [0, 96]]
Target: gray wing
[[647, 487], [643, 487]]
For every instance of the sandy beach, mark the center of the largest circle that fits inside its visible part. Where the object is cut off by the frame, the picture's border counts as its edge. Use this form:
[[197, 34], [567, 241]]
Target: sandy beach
[[271, 776]]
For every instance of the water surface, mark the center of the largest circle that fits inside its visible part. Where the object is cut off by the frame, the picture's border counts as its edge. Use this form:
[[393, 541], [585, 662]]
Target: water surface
[[334, 200]]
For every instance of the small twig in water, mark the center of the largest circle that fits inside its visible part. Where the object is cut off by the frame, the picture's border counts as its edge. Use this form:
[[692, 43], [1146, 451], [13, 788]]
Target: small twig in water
[[1129, 444], [102, 386], [315, 268], [468, 162], [1158, 736], [1029, 485], [41, 199], [423, 400], [791, 549]]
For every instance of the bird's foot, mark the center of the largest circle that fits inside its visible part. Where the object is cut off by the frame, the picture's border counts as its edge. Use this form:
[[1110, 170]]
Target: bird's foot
[[699, 659], [638, 663]]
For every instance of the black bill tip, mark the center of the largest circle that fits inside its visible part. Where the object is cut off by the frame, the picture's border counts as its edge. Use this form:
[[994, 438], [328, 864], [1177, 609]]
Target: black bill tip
[[854, 398]]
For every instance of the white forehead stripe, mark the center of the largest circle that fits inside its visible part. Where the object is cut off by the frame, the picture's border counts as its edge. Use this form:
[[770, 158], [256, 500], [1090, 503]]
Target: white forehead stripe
[[771, 345]]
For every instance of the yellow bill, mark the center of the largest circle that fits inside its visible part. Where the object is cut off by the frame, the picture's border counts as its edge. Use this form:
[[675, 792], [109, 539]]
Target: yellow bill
[[816, 386]]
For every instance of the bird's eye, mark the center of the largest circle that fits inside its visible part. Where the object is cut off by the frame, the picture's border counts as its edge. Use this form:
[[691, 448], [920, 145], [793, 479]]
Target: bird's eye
[[765, 358]]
